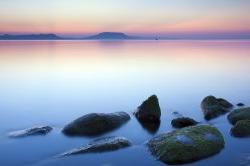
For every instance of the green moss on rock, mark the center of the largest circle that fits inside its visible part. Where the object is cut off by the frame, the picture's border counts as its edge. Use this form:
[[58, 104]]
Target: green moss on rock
[[239, 114], [187, 145], [241, 129]]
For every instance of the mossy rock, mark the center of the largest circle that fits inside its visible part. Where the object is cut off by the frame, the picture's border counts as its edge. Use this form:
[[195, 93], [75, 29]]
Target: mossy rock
[[183, 122], [241, 129], [239, 114], [213, 107], [96, 124], [187, 144], [149, 110]]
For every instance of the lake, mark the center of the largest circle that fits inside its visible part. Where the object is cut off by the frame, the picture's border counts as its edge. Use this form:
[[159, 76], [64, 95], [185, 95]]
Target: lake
[[55, 82]]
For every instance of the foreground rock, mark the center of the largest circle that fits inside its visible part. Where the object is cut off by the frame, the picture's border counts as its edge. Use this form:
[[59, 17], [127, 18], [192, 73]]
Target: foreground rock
[[187, 145], [149, 110], [213, 107], [101, 145], [183, 122], [239, 114], [39, 130], [241, 129], [96, 124]]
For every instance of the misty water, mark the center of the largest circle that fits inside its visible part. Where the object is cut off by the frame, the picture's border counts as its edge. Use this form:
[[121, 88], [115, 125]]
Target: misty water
[[55, 82]]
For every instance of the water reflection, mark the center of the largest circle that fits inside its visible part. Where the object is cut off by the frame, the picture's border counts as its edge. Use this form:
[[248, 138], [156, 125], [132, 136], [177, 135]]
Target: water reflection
[[52, 83]]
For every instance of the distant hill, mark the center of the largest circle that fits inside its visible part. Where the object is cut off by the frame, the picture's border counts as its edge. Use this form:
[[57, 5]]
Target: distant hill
[[111, 36], [30, 37]]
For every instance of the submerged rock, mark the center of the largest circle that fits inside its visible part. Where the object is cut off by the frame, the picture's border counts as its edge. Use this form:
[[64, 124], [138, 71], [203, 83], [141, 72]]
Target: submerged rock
[[187, 144], [96, 123], [39, 130], [239, 114], [149, 110], [101, 145], [177, 114], [213, 107], [183, 122], [241, 129]]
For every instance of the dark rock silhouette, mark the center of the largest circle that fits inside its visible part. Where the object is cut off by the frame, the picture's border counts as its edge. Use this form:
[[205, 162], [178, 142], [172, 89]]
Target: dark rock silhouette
[[183, 122], [96, 124], [240, 104], [213, 107], [149, 110]]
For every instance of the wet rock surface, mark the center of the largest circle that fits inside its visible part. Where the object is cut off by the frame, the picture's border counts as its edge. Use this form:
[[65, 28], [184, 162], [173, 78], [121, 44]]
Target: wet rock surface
[[187, 144], [183, 122], [101, 145], [38, 130], [149, 110], [241, 129], [239, 114], [213, 107], [95, 124]]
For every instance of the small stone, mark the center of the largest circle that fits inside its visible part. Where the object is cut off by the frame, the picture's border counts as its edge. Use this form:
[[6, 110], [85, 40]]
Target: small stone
[[39, 130], [240, 104], [183, 122]]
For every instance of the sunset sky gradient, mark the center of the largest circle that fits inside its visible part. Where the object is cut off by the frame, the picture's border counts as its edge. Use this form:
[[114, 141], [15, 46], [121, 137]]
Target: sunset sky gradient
[[141, 17]]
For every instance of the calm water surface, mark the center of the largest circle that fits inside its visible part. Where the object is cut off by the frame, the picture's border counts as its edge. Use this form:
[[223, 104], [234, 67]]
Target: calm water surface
[[52, 83]]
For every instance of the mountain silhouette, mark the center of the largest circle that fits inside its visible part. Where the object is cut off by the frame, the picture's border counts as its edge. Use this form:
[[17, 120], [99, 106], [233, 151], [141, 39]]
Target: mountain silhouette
[[30, 37], [111, 36]]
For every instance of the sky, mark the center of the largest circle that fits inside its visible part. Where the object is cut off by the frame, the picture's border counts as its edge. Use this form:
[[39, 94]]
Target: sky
[[140, 17]]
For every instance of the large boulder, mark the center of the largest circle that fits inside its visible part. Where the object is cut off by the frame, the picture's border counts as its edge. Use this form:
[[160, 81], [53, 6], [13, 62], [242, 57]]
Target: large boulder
[[96, 124], [239, 114], [38, 130], [213, 107], [241, 129], [149, 110], [101, 145], [187, 144], [183, 122]]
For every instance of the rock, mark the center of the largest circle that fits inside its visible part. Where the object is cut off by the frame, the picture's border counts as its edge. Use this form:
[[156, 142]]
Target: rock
[[186, 145], [239, 114], [213, 107], [101, 145], [149, 110], [96, 124], [240, 104], [241, 129], [183, 122], [39, 130]]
